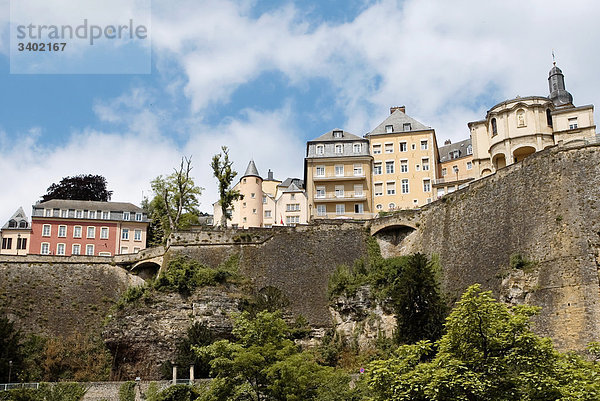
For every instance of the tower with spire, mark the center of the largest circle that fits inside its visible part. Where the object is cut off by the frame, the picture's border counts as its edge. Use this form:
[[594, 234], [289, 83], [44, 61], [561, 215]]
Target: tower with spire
[[250, 188], [558, 93]]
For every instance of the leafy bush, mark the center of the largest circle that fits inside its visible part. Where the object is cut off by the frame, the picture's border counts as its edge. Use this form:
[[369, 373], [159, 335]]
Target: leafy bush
[[179, 392], [46, 392], [127, 391]]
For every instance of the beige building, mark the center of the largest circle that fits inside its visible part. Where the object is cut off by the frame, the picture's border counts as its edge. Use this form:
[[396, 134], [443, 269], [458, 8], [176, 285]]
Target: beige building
[[405, 162], [455, 168], [15, 234], [337, 172], [266, 202], [516, 128]]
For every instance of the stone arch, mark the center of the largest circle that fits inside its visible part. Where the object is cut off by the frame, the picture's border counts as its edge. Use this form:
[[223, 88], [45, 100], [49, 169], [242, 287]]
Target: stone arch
[[392, 238], [146, 270], [499, 161], [486, 171], [522, 152]]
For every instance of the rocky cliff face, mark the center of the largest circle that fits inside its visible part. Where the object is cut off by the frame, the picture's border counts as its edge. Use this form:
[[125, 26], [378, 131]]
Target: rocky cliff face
[[144, 334]]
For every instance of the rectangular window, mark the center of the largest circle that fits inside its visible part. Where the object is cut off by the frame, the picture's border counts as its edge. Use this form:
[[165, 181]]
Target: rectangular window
[[391, 188], [126, 216], [21, 243], [104, 233], [7, 243], [359, 208], [444, 171], [60, 249], [292, 207], [77, 232], [389, 148], [406, 127], [337, 134], [46, 230], [377, 169], [91, 232], [125, 234], [137, 235], [62, 231], [455, 169], [320, 149], [292, 197], [252, 195], [136, 249], [403, 147], [339, 149], [358, 170], [377, 149], [405, 186], [424, 145], [48, 212], [253, 211], [320, 192], [425, 163], [76, 249], [138, 217], [45, 248], [320, 171], [264, 199], [378, 189], [339, 170], [358, 190], [389, 129], [64, 213], [103, 253], [124, 250], [339, 191], [340, 208], [321, 210], [92, 214], [389, 167], [292, 219], [469, 165], [105, 215], [357, 147], [573, 123], [78, 214], [404, 166], [268, 214], [426, 186]]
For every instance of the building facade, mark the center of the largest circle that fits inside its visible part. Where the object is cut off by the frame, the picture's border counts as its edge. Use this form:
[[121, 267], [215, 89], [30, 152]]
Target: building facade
[[455, 167], [72, 227], [517, 128], [405, 162], [15, 235], [338, 176], [265, 202]]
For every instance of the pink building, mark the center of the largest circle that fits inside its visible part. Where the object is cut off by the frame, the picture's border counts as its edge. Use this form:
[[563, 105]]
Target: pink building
[[72, 227]]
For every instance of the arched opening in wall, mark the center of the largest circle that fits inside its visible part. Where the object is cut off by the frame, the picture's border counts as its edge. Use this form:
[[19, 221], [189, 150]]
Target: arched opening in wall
[[486, 171], [146, 270], [494, 127], [549, 117], [392, 240], [499, 161], [523, 152]]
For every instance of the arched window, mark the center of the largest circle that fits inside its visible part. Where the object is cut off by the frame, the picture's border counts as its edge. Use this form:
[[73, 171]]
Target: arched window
[[494, 127], [392, 206], [521, 122], [23, 224], [12, 224], [549, 117]]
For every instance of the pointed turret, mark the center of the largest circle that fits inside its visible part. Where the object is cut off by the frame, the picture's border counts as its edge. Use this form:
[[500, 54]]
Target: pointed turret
[[558, 94], [251, 170]]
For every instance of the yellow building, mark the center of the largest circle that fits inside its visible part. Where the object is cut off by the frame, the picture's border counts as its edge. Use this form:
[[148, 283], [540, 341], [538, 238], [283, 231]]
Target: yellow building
[[516, 128], [455, 168], [337, 171], [405, 162], [15, 235]]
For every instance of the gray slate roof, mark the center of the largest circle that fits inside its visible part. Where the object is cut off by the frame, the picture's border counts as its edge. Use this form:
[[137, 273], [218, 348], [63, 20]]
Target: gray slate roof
[[289, 181], [460, 146], [18, 216], [346, 136], [88, 205], [397, 120], [292, 188], [251, 170]]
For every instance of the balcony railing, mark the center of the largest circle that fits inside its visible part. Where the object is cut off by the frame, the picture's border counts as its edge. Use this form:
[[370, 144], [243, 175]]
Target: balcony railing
[[347, 196], [361, 176], [348, 215]]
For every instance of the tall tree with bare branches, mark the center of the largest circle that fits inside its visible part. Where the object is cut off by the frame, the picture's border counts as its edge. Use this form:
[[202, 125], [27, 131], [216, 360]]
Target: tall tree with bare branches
[[224, 173]]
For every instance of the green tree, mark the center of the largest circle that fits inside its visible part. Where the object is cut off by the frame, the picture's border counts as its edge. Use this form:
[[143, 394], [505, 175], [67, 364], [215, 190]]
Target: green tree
[[224, 173], [488, 353], [80, 187], [175, 202], [10, 350]]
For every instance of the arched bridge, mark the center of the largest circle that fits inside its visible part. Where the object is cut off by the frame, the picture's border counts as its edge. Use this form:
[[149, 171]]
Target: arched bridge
[[145, 263], [395, 220]]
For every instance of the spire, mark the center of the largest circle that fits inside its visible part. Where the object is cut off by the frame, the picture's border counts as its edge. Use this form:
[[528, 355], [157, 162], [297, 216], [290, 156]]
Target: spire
[[556, 83], [251, 170]]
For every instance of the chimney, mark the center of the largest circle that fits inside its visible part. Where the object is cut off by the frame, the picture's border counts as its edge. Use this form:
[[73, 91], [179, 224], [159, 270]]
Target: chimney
[[401, 108], [447, 142], [270, 175]]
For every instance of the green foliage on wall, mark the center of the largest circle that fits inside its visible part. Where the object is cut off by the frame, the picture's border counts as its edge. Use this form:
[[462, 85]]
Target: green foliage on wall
[[127, 391], [46, 392]]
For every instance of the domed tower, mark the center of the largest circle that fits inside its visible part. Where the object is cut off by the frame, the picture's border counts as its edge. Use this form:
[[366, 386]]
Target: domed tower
[[558, 94], [251, 211]]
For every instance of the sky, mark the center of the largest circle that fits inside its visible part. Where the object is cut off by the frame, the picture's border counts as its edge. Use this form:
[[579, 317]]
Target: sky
[[263, 77]]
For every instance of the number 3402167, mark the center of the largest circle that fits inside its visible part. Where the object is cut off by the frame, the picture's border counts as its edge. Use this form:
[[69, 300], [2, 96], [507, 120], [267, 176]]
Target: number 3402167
[[41, 47]]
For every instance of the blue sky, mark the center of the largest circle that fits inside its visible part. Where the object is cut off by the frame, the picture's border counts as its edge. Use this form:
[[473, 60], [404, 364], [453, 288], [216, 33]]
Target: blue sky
[[263, 77]]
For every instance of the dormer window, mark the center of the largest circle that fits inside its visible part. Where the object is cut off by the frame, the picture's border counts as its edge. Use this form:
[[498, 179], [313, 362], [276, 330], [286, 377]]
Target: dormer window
[[339, 149], [337, 134], [389, 129], [320, 149], [406, 127], [357, 148], [22, 224], [12, 224], [470, 150]]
